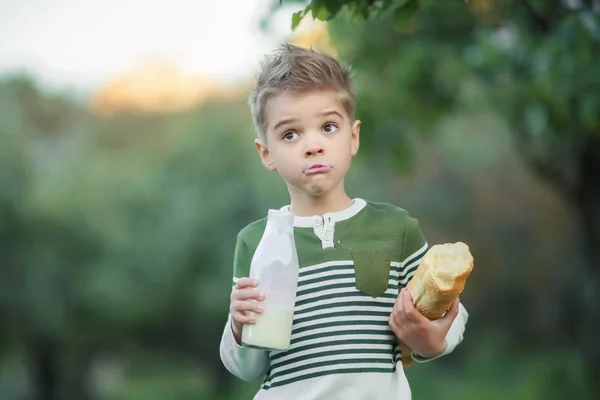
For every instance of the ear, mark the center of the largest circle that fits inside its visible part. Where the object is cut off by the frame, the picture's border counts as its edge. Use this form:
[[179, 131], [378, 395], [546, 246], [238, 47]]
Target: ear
[[355, 140], [265, 156]]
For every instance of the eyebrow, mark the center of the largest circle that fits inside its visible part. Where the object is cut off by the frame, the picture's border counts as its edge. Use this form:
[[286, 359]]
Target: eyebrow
[[292, 120], [284, 122], [333, 112]]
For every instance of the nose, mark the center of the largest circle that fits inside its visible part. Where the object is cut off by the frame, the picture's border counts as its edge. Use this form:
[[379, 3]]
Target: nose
[[314, 148], [313, 151]]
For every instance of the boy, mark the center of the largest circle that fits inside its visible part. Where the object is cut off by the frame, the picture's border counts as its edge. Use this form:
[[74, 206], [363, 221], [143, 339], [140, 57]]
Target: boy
[[356, 257]]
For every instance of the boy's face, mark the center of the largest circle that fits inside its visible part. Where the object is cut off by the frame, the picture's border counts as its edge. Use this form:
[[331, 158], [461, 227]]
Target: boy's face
[[310, 140]]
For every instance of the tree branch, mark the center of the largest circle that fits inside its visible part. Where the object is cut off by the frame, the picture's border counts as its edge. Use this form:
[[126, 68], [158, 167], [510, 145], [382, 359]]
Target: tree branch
[[536, 21]]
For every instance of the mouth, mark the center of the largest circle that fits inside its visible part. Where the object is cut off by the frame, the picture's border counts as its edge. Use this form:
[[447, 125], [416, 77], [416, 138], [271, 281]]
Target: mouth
[[317, 169]]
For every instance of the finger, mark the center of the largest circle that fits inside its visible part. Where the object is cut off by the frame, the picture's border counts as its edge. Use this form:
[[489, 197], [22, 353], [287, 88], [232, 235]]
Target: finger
[[398, 309], [244, 306], [243, 318], [394, 325], [395, 308], [400, 300], [410, 312], [245, 283], [394, 315], [453, 311], [247, 294], [400, 294], [450, 315]]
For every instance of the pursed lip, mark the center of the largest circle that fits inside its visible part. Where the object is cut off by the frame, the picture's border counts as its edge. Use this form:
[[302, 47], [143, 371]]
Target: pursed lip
[[317, 169]]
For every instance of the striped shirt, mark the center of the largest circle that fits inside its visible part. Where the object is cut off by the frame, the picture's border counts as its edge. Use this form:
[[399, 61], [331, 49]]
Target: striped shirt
[[341, 343]]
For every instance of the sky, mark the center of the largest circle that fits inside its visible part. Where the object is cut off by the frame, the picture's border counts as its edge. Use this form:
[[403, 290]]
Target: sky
[[79, 44]]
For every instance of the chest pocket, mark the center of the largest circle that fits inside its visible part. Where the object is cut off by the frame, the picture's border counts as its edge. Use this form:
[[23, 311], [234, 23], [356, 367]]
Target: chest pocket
[[372, 271]]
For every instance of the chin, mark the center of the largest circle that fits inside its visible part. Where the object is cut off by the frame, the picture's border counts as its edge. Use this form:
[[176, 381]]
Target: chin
[[318, 190]]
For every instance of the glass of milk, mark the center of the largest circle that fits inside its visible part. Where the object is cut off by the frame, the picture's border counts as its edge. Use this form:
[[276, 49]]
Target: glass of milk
[[275, 266]]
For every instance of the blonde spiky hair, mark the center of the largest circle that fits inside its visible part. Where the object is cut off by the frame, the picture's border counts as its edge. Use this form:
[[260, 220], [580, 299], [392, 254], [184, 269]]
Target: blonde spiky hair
[[296, 69]]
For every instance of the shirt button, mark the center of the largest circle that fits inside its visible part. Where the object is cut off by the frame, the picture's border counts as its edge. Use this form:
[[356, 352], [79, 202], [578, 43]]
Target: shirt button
[[328, 236], [317, 221]]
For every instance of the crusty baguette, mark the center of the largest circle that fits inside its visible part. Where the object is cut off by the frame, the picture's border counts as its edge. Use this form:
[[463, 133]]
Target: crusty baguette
[[438, 281]]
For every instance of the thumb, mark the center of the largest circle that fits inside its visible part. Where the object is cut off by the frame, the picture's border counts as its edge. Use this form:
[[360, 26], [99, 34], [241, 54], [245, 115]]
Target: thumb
[[451, 313]]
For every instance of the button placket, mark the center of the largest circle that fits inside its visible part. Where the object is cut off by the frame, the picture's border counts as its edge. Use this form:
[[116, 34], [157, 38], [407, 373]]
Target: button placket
[[318, 226], [328, 228], [324, 228]]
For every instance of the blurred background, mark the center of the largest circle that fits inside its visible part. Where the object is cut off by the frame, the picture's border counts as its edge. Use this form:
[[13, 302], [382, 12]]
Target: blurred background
[[127, 168]]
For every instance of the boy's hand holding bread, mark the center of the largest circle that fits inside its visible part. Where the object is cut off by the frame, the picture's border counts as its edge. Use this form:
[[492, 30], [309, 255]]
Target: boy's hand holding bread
[[427, 307]]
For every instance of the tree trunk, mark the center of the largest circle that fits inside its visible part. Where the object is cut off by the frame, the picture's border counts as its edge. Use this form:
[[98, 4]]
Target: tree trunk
[[588, 205], [45, 365], [55, 374], [77, 384]]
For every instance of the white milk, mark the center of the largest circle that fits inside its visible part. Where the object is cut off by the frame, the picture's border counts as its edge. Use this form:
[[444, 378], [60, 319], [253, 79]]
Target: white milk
[[272, 329]]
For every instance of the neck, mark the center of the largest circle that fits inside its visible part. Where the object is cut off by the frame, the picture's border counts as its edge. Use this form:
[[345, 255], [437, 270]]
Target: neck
[[304, 205]]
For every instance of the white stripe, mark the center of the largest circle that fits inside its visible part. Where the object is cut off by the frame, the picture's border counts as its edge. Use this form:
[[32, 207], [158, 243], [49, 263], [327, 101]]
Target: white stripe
[[319, 353], [416, 252], [332, 368], [326, 292], [392, 281], [404, 282], [343, 309], [326, 274], [330, 281], [341, 328], [346, 271], [344, 318], [347, 291], [338, 338], [324, 265], [345, 299], [413, 264], [396, 273]]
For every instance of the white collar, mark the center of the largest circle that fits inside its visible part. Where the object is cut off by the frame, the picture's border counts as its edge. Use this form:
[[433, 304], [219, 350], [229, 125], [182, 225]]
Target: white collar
[[304, 222]]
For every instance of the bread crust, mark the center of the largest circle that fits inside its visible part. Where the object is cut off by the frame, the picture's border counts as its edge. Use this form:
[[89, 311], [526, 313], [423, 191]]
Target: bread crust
[[438, 281]]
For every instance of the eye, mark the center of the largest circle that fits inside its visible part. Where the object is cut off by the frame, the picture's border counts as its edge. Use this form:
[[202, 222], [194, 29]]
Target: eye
[[289, 135], [330, 127]]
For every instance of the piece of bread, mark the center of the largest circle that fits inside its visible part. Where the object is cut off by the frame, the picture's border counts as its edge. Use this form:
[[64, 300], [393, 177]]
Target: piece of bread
[[437, 282]]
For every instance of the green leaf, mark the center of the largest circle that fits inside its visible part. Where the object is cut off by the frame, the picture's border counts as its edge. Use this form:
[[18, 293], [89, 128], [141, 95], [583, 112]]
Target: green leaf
[[319, 11], [297, 18], [405, 12], [333, 6], [384, 6]]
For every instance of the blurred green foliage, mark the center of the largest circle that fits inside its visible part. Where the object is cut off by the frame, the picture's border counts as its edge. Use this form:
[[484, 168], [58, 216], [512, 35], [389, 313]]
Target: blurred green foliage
[[116, 234]]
